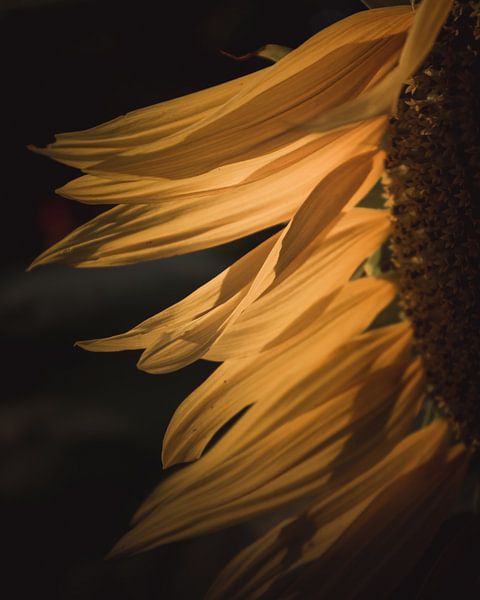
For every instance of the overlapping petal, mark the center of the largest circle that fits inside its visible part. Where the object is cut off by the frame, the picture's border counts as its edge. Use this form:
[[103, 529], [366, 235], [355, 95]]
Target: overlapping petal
[[234, 482], [382, 98], [278, 313], [234, 172], [333, 66], [173, 321], [294, 246], [86, 148], [361, 529], [128, 234], [329, 401], [262, 379]]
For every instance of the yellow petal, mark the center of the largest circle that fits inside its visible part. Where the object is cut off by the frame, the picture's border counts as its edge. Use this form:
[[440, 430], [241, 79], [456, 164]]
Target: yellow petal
[[314, 539], [335, 65], [173, 321], [429, 19], [304, 81], [84, 149], [297, 459], [397, 526], [279, 311], [128, 234], [349, 181], [261, 380], [352, 310], [382, 99], [325, 152]]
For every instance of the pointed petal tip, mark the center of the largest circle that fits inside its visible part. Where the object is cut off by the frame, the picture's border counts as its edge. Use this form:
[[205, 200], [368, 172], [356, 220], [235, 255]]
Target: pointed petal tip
[[114, 554], [142, 365], [38, 150], [41, 260]]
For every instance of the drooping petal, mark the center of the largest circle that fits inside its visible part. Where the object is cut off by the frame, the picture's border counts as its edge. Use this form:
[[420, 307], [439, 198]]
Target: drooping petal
[[352, 309], [173, 321], [361, 230], [204, 130], [260, 380], [336, 64], [128, 234], [279, 311], [339, 529], [297, 241], [86, 148], [296, 460]]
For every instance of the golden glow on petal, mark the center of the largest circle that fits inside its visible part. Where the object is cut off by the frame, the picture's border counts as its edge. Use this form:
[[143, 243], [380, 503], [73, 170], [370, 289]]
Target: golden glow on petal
[[297, 241], [236, 482], [237, 384], [86, 148], [340, 528], [278, 312], [251, 115], [173, 321], [128, 234], [329, 403], [382, 99], [336, 64]]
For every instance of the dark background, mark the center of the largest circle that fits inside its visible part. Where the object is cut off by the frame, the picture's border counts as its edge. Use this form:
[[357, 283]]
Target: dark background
[[80, 433]]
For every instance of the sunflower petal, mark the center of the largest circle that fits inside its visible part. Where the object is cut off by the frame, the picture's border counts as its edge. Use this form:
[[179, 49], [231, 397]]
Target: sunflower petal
[[397, 526], [348, 182], [362, 230], [331, 529], [296, 460], [278, 312], [237, 384], [128, 234], [338, 63], [382, 98], [325, 152], [201, 131], [429, 19], [353, 310], [86, 148], [173, 321]]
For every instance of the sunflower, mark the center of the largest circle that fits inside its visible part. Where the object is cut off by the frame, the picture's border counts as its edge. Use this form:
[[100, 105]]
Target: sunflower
[[330, 440]]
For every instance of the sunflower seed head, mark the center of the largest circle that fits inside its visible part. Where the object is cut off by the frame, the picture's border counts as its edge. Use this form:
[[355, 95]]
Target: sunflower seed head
[[432, 184]]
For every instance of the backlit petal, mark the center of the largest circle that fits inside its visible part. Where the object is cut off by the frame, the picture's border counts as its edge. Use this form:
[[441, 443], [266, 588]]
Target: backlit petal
[[336, 64], [382, 98], [340, 528], [85, 148], [280, 310], [233, 483], [128, 234], [297, 241], [237, 384], [173, 321]]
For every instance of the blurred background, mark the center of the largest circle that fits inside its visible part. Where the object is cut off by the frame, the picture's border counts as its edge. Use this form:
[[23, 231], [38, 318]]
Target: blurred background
[[80, 433]]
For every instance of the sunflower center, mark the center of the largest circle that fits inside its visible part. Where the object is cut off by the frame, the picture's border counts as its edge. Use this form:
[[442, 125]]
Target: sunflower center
[[432, 182]]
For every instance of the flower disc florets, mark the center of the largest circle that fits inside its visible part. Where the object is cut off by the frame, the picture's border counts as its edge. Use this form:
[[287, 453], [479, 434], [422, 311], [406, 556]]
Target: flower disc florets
[[433, 185]]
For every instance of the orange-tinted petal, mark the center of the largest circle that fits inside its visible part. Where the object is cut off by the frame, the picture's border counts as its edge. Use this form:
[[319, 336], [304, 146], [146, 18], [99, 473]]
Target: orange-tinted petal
[[382, 98], [297, 459], [239, 383], [321, 545]]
